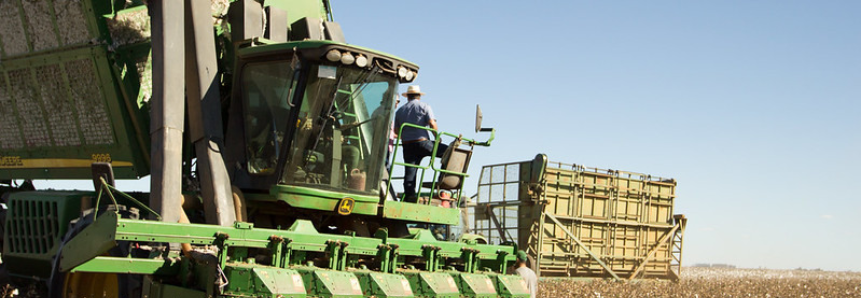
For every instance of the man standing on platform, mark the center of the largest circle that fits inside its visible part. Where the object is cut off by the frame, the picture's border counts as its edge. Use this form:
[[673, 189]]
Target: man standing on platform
[[416, 142]]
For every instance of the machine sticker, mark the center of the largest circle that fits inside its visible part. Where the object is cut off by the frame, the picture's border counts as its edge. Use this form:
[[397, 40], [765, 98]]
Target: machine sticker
[[298, 286], [345, 207], [354, 282], [101, 157], [11, 161], [7, 162], [407, 289], [327, 72]]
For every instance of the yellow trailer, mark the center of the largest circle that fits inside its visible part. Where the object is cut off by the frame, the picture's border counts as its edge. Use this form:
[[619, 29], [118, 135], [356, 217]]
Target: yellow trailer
[[577, 221]]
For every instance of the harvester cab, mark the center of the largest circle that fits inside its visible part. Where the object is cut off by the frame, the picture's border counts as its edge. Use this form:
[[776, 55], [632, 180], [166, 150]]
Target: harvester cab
[[309, 132]]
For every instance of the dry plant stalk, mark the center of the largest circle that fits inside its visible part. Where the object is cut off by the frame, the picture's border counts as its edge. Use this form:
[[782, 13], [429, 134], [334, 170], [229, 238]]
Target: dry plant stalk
[[712, 282]]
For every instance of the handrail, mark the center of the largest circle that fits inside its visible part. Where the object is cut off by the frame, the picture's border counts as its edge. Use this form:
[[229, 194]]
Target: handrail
[[438, 134]]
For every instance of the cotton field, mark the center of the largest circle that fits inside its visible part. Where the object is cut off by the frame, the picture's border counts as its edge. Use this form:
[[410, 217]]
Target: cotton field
[[711, 282]]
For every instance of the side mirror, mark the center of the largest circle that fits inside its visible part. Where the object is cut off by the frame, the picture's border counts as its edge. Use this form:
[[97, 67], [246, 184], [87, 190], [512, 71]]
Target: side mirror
[[478, 128], [478, 118]]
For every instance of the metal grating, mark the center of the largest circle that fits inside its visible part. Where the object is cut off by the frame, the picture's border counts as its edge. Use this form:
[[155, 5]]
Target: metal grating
[[32, 226], [33, 126], [10, 134], [71, 21], [11, 30], [89, 102], [39, 24], [499, 185], [57, 106]]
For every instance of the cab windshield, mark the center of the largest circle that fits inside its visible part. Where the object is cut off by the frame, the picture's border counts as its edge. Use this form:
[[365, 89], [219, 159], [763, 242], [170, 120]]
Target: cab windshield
[[342, 130]]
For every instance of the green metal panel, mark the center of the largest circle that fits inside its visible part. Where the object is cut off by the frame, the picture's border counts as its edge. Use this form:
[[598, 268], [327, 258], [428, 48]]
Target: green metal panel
[[384, 285], [92, 241], [511, 286], [317, 199], [330, 283], [35, 225], [475, 285], [302, 235], [421, 213], [154, 289], [433, 284], [126, 265], [259, 281]]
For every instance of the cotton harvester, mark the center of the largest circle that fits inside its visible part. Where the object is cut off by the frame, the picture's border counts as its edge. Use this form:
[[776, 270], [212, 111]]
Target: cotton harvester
[[267, 139]]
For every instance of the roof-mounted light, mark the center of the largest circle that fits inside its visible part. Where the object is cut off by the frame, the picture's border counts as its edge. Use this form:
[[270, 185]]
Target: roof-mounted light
[[347, 58], [410, 76], [361, 61], [333, 55], [402, 72]]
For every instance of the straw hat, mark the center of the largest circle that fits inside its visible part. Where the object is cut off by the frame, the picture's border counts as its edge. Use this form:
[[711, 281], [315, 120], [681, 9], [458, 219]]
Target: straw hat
[[414, 89]]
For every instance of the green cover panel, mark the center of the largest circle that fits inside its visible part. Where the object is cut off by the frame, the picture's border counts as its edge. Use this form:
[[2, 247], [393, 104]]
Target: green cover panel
[[433, 284], [34, 228], [384, 285]]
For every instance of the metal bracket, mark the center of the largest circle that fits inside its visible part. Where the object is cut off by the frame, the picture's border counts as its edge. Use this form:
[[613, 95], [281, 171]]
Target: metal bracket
[[654, 249], [577, 240]]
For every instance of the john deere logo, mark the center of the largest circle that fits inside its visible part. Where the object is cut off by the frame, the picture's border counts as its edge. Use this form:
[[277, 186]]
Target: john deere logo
[[345, 207]]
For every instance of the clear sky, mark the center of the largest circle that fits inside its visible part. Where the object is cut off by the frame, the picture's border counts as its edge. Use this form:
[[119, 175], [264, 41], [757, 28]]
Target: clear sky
[[753, 106]]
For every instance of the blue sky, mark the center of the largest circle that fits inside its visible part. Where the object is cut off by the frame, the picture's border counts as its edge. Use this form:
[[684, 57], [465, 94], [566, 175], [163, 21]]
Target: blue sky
[[753, 106]]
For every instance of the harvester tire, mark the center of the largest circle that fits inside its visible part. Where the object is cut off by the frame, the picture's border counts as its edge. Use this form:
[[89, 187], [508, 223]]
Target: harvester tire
[[86, 284]]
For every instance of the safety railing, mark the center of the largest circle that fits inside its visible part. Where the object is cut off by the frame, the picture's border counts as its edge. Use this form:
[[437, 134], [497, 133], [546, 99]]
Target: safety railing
[[437, 170]]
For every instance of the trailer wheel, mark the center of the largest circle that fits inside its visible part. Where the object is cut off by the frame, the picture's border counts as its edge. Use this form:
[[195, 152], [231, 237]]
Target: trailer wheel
[[89, 284]]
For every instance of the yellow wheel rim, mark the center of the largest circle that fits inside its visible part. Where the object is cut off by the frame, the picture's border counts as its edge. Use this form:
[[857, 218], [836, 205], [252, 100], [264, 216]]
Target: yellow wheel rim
[[91, 285]]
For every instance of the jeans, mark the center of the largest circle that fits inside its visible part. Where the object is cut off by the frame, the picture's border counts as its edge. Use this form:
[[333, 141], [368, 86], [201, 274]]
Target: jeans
[[413, 154]]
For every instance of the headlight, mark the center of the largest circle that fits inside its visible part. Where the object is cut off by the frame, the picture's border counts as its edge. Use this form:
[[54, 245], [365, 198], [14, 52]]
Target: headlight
[[402, 71], [333, 55], [347, 58], [410, 75], [361, 61]]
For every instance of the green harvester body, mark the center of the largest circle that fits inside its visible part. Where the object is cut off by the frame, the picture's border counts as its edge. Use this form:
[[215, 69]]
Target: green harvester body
[[302, 141]]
